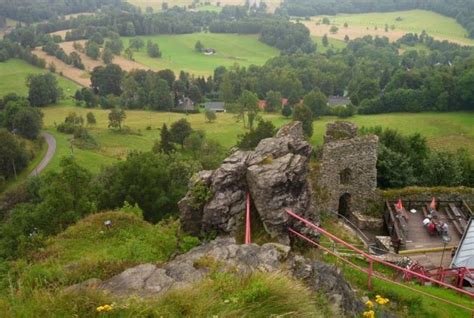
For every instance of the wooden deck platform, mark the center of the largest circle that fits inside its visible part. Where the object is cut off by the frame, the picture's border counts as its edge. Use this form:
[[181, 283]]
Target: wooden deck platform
[[417, 236], [415, 240]]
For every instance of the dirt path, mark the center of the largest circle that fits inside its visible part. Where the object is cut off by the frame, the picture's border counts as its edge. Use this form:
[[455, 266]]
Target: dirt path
[[48, 156]]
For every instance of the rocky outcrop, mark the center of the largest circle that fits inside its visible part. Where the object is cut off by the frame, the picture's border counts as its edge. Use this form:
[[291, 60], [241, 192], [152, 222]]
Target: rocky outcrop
[[148, 280], [328, 279], [274, 174]]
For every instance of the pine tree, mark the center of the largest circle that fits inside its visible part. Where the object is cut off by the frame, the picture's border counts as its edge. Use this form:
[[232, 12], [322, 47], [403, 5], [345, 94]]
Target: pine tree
[[325, 40], [165, 144], [286, 111]]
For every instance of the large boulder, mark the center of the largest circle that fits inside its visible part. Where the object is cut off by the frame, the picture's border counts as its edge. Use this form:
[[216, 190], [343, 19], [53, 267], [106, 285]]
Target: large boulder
[[275, 176], [224, 254], [149, 280]]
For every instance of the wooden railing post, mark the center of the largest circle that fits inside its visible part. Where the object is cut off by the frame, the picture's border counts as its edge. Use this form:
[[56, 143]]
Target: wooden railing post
[[369, 276]]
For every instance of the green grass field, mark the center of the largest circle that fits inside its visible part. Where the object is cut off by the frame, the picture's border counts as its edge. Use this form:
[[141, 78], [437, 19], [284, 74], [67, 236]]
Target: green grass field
[[411, 21], [334, 44], [13, 74], [179, 53], [156, 4], [446, 131]]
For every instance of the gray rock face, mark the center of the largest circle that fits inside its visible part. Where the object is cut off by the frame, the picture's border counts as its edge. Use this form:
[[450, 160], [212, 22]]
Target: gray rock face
[[328, 278], [275, 174], [148, 280]]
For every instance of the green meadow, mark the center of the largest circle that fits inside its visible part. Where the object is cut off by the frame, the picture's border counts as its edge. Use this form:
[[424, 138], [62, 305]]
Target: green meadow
[[210, 8], [178, 52], [411, 21], [13, 74], [444, 131], [334, 44]]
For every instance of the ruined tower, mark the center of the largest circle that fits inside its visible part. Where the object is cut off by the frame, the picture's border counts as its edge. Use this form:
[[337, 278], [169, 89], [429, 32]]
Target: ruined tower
[[347, 176]]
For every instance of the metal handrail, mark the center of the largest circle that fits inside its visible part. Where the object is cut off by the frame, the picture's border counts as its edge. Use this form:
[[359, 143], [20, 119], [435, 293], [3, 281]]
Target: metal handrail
[[354, 227], [374, 259]]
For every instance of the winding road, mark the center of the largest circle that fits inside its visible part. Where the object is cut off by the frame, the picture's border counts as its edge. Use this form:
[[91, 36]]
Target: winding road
[[49, 154]]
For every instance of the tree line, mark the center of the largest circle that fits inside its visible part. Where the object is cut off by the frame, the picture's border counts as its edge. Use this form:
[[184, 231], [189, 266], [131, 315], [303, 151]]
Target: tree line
[[274, 30], [406, 160], [40, 10], [370, 71]]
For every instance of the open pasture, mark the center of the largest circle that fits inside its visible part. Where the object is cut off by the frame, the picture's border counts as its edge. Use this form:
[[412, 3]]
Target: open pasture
[[412, 21], [178, 52], [334, 44], [444, 131], [13, 74], [156, 4]]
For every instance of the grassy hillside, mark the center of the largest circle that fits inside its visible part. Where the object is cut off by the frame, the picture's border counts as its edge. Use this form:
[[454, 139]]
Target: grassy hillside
[[90, 250], [179, 54], [13, 74], [36, 150], [447, 131], [415, 21]]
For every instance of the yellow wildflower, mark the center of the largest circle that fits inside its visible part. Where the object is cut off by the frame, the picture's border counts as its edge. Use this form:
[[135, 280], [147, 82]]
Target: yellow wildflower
[[382, 301], [369, 314], [369, 304], [104, 308]]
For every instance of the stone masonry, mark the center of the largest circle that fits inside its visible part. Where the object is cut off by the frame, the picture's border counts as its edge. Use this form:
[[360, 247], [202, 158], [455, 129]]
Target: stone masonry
[[347, 176]]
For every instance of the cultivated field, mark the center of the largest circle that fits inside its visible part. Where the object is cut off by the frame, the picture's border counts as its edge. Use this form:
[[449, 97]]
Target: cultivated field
[[415, 21], [82, 77], [13, 74], [447, 131], [179, 53]]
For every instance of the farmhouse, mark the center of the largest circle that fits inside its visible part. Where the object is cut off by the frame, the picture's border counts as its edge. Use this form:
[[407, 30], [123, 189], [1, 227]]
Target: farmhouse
[[185, 104], [218, 107]]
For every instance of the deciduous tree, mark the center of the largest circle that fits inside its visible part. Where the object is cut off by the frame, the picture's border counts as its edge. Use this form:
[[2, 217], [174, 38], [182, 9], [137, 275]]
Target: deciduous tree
[[180, 130], [116, 118], [303, 114]]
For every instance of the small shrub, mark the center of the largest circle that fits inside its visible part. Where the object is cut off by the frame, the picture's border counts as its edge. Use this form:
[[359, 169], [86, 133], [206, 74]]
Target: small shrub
[[200, 195], [132, 209], [83, 140]]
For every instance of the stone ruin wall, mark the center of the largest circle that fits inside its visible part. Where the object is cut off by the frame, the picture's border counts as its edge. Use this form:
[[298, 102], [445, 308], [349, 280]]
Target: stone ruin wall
[[355, 157]]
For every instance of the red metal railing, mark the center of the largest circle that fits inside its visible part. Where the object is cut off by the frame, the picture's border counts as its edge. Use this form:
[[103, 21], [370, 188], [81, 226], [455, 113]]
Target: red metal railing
[[247, 222], [379, 276], [372, 259]]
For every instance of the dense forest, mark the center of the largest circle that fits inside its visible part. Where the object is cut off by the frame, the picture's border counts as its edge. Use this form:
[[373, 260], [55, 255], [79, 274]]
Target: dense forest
[[461, 10], [275, 31], [39, 10]]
